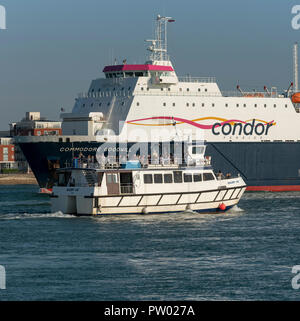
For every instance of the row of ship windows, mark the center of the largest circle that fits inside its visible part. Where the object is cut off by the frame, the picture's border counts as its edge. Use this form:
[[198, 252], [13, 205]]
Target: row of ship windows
[[180, 89], [188, 104], [213, 105], [177, 177], [142, 88], [100, 104], [108, 89]]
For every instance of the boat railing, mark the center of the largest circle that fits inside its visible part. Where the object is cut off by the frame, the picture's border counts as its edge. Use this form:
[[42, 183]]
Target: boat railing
[[190, 93], [103, 94], [114, 163], [197, 79], [127, 188], [251, 94]]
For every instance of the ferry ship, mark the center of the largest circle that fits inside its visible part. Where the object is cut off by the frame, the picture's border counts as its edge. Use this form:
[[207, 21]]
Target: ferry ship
[[253, 134], [135, 188]]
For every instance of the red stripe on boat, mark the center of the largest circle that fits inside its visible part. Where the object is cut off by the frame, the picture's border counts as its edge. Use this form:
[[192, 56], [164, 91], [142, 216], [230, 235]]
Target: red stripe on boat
[[45, 190], [137, 68], [279, 188]]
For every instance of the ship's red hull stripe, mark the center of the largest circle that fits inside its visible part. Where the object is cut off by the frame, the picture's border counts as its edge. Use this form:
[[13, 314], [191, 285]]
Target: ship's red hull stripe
[[45, 190], [279, 188]]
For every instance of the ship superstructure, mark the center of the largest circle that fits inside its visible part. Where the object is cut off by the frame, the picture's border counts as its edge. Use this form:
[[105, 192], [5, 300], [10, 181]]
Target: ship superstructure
[[255, 134]]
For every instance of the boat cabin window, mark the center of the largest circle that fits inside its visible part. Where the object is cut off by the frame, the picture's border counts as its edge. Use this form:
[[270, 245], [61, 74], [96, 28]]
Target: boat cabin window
[[188, 178], [197, 150], [63, 178], [100, 178], [127, 74], [197, 177], [126, 183], [177, 177], [112, 178], [208, 177], [168, 178], [158, 178], [148, 179]]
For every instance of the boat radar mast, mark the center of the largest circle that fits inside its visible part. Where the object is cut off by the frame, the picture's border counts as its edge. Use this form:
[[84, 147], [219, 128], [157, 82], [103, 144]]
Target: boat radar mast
[[158, 47]]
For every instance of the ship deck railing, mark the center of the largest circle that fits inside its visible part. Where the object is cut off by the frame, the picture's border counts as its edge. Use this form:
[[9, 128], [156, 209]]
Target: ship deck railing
[[229, 94], [127, 188], [197, 79], [114, 164], [158, 92]]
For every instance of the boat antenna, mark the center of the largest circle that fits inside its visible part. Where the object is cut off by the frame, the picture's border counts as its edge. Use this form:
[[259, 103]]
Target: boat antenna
[[159, 46], [295, 54]]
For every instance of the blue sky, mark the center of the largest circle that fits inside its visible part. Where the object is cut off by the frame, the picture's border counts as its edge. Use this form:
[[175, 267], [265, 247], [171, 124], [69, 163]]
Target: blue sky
[[52, 49]]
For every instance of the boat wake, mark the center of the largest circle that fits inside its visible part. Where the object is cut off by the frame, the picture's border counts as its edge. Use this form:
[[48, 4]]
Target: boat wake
[[235, 209], [13, 216]]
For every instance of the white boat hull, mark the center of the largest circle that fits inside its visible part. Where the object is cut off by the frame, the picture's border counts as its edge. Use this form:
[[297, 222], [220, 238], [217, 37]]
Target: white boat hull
[[206, 201]]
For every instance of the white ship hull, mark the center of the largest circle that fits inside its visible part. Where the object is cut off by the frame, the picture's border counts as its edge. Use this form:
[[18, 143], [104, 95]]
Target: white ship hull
[[155, 204], [144, 190]]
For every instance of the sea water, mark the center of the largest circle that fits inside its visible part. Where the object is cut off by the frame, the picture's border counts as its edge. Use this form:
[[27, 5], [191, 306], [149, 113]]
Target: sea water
[[245, 254]]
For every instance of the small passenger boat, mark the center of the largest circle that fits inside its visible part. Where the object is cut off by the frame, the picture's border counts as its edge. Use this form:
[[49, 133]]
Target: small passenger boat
[[135, 188]]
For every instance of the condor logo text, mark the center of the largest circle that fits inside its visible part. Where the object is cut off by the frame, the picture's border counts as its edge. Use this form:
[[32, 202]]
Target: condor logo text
[[238, 127]]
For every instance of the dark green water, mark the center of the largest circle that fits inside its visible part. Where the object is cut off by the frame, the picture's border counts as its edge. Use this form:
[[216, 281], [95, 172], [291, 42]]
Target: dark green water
[[246, 254]]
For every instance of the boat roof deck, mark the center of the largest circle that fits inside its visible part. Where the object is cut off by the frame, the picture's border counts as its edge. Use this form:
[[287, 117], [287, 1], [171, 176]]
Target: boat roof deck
[[148, 168]]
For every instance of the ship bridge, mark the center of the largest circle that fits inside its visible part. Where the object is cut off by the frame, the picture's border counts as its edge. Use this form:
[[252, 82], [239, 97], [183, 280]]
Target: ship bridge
[[158, 72], [125, 89]]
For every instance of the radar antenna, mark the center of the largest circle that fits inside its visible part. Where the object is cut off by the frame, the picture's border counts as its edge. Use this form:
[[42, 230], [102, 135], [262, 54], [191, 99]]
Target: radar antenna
[[159, 46]]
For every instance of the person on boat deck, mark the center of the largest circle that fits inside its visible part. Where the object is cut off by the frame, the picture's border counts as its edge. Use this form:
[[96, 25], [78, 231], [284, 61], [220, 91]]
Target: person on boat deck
[[123, 159], [89, 159], [228, 175], [220, 175], [143, 160], [155, 158], [166, 159]]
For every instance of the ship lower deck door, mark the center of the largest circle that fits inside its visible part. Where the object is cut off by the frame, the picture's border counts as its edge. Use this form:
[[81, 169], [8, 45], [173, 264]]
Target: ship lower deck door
[[112, 183], [126, 183]]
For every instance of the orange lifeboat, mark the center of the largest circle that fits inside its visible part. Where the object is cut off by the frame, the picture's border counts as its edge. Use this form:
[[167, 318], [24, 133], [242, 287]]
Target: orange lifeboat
[[296, 98], [254, 95]]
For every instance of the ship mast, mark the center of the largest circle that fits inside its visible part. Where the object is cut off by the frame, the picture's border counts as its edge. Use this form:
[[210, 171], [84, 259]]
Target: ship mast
[[295, 67], [159, 46]]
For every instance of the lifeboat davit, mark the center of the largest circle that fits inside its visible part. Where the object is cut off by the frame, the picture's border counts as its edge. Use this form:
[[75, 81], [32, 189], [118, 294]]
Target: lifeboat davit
[[296, 98]]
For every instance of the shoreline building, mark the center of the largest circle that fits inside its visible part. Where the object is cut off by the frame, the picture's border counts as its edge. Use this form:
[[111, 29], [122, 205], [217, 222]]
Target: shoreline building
[[35, 125], [11, 156], [7, 154]]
